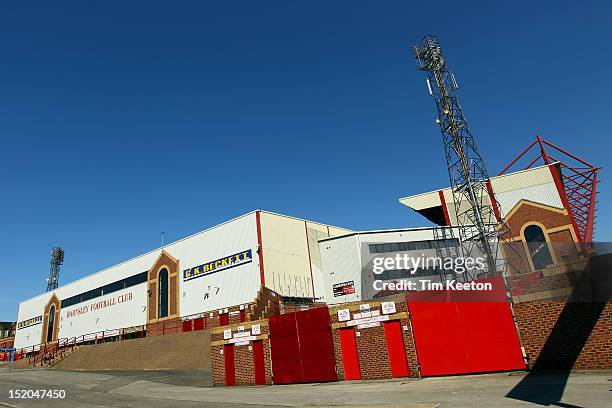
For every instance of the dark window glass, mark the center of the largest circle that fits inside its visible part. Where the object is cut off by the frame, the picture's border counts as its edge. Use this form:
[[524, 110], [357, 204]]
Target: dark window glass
[[162, 280], [538, 248], [106, 289], [412, 246], [50, 323]]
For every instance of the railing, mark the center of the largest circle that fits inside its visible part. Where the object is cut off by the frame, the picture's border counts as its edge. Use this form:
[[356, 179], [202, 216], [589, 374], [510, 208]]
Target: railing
[[47, 352]]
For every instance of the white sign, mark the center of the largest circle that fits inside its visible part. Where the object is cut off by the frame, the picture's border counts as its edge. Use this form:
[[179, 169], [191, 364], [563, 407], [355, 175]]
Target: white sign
[[344, 315], [367, 314], [388, 307], [243, 340], [227, 334], [365, 307], [256, 329], [240, 329], [366, 325], [243, 334], [367, 320], [241, 343]]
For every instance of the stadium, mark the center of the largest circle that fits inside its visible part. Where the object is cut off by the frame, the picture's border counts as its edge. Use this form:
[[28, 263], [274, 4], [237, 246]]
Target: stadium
[[501, 277]]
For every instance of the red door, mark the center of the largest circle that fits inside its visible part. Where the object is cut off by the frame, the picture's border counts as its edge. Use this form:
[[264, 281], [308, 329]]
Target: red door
[[490, 336], [396, 350], [259, 362], [187, 325], [350, 360], [316, 345], [285, 349], [224, 319], [470, 336], [198, 324], [438, 337], [230, 367], [302, 347]]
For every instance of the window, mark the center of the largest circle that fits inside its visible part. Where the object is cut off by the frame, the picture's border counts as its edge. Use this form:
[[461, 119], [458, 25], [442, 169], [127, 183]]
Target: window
[[162, 280], [50, 324], [538, 248], [413, 245], [106, 289]]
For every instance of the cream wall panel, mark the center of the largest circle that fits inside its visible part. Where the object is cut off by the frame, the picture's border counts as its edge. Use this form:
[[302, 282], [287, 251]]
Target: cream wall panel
[[285, 254]]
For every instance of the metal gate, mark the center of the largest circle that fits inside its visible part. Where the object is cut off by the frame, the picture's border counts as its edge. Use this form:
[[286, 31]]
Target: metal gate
[[453, 337], [302, 348]]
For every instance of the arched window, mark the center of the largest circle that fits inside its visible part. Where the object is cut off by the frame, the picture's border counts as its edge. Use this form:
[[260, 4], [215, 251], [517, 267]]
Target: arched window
[[162, 280], [51, 323], [538, 248]]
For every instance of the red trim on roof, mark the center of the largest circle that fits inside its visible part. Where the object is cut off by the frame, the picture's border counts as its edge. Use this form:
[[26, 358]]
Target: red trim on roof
[[494, 202], [444, 209], [262, 276]]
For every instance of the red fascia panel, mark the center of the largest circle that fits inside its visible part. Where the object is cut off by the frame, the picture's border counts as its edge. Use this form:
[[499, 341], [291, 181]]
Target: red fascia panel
[[262, 276], [494, 202], [444, 209]]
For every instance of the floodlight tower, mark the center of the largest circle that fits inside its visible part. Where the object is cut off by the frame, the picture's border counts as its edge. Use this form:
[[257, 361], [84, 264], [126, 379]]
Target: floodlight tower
[[57, 258], [473, 202]]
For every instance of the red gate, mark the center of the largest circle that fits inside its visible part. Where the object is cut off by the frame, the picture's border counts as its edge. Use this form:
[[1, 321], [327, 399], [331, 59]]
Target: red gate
[[454, 337], [302, 348]]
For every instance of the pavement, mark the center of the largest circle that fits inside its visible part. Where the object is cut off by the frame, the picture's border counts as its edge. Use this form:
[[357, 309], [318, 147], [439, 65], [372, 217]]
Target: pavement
[[191, 388]]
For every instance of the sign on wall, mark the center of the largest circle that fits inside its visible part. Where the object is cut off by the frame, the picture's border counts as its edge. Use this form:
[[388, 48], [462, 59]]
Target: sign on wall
[[29, 322], [387, 307], [218, 265], [344, 288], [344, 315]]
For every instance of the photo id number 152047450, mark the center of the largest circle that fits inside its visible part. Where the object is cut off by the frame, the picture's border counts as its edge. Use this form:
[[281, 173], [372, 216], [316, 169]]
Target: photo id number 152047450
[[37, 394]]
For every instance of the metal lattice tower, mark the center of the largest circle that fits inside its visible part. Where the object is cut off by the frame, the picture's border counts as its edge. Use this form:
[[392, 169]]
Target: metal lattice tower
[[479, 228], [57, 259]]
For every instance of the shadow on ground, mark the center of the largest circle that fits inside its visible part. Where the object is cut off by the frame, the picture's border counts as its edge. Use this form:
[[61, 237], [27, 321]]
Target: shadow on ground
[[577, 320]]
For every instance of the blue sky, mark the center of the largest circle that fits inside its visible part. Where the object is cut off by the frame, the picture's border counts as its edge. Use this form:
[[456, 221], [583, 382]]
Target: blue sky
[[122, 119]]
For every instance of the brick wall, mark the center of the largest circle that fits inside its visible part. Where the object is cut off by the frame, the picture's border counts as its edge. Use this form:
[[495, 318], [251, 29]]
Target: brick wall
[[561, 335], [528, 212], [164, 327], [243, 355], [371, 343], [7, 342]]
